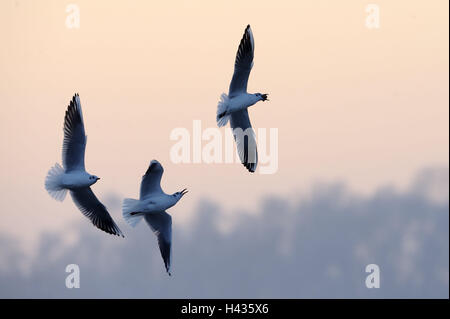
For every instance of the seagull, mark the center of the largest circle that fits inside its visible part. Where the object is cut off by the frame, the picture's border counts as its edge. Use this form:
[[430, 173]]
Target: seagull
[[233, 107], [152, 205], [73, 177]]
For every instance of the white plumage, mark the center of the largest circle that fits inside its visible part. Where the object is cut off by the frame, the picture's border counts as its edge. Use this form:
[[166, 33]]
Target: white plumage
[[152, 205], [233, 107], [73, 177]]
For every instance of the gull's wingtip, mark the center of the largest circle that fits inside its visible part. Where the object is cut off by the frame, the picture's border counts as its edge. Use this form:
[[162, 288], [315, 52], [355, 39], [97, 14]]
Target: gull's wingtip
[[115, 231], [76, 100], [251, 168]]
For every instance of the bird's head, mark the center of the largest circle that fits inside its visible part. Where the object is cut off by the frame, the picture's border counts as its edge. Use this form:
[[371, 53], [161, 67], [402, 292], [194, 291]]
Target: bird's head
[[93, 179], [178, 195], [262, 97]]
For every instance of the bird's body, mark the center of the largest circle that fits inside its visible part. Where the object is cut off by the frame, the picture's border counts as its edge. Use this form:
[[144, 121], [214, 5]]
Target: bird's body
[[76, 179], [73, 177], [240, 102], [155, 203], [233, 107], [152, 206]]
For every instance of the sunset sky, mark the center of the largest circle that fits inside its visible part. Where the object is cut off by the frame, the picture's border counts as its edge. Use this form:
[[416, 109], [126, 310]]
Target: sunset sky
[[367, 107]]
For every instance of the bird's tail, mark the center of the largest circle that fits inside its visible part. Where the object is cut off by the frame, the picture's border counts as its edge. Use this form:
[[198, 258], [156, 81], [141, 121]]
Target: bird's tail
[[53, 183], [222, 108], [130, 208]]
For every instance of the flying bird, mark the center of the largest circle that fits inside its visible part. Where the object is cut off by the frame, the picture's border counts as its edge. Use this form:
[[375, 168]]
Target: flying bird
[[233, 107], [73, 176], [152, 205]]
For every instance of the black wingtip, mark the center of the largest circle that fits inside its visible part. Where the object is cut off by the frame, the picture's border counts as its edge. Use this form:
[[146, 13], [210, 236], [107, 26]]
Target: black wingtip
[[72, 115], [73, 103], [115, 232], [222, 115], [110, 231], [118, 232]]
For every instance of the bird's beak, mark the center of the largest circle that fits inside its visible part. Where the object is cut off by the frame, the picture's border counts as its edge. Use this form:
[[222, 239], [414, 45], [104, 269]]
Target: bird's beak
[[184, 191], [98, 178], [264, 97]]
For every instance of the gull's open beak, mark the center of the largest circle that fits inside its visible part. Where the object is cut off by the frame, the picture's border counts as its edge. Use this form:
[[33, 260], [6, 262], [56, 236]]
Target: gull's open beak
[[184, 191], [264, 97]]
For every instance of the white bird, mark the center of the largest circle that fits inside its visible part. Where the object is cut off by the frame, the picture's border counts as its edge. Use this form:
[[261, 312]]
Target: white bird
[[73, 177], [152, 205], [233, 107]]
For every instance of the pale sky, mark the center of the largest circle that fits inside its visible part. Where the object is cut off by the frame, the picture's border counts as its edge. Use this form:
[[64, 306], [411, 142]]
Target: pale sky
[[368, 107]]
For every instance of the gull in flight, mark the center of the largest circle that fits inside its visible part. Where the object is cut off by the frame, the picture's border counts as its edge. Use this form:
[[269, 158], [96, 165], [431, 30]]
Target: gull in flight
[[152, 205], [233, 107], [73, 177]]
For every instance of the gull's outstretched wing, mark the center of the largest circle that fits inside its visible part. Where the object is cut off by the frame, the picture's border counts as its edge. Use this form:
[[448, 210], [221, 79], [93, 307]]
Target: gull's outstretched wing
[[151, 181], [161, 224], [245, 139], [91, 207], [74, 143], [243, 64]]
